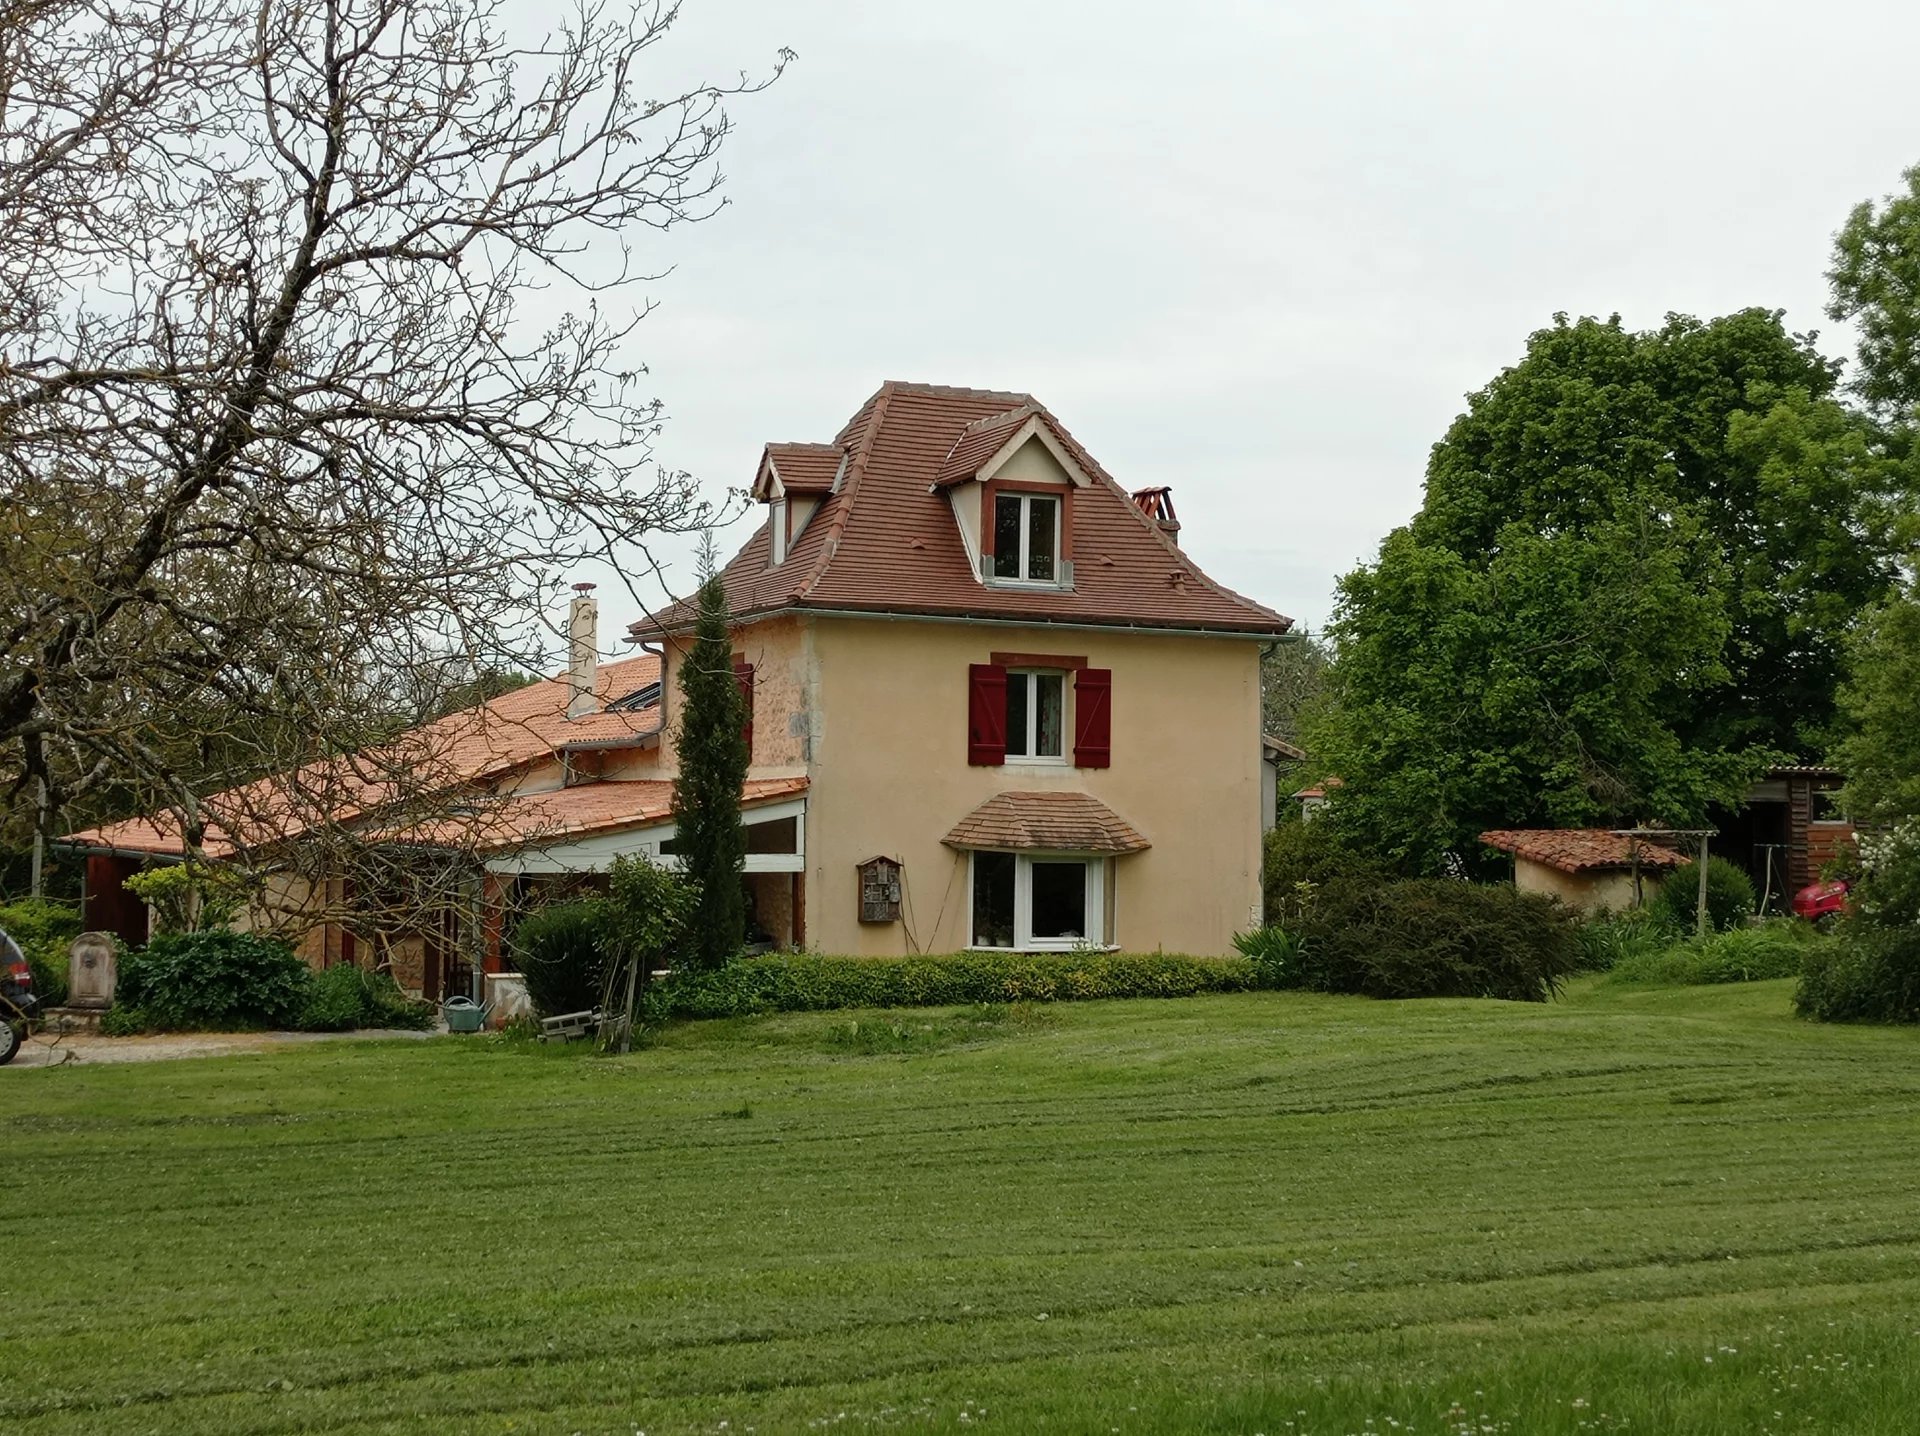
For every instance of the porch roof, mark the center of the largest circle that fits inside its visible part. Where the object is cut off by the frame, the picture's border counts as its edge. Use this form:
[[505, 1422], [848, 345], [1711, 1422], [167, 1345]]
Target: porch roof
[[1046, 822]]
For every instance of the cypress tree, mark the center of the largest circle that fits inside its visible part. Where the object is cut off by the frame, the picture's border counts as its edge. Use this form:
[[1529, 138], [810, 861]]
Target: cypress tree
[[706, 792]]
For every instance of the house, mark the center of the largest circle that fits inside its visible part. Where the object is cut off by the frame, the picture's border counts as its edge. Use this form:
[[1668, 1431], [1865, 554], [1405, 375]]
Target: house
[[991, 703], [1000, 676], [1592, 869]]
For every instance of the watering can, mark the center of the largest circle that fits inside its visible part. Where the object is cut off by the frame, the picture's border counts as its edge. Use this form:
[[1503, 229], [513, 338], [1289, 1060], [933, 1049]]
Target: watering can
[[463, 1014]]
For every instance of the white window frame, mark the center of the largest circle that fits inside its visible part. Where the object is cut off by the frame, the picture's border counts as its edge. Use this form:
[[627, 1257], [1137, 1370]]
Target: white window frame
[[1097, 875], [1030, 758], [779, 532], [993, 519]]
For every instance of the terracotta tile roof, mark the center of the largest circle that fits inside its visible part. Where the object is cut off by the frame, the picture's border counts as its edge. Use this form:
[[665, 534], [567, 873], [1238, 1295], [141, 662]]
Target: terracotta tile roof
[[805, 468], [471, 746], [570, 814], [887, 542], [1046, 822], [1580, 850], [980, 441]]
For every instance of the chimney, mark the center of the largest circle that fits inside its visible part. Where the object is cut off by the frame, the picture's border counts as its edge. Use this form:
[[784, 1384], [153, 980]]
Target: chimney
[[1157, 504], [583, 652]]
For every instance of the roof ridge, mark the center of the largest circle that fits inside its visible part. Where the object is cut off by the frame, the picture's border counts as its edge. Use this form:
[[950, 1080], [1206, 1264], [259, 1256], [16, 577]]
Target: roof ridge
[[849, 491], [954, 391]]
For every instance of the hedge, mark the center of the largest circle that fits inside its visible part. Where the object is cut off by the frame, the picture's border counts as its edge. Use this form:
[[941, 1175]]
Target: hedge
[[1866, 974], [805, 983]]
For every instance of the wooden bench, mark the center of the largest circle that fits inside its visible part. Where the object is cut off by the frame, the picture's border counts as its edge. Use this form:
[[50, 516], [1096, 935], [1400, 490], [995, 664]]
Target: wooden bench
[[571, 1026]]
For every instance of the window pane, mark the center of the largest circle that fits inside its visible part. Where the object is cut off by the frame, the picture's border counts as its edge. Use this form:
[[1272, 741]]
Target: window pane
[[1040, 515], [1049, 691], [1017, 714], [1059, 900], [993, 899], [1006, 537]]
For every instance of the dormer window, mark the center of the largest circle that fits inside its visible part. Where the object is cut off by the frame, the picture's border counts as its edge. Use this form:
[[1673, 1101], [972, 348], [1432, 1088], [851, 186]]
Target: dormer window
[[1026, 538]]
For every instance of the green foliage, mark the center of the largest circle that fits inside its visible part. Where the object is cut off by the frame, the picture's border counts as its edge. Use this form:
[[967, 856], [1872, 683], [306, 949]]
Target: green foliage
[[649, 913], [710, 838], [1299, 856], [562, 952], [1881, 754], [43, 930], [1675, 903], [1626, 589], [1608, 939], [1431, 937], [785, 982], [189, 896], [346, 998], [1274, 953], [1865, 974], [215, 980], [1876, 287], [1888, 895], [1741, 954]]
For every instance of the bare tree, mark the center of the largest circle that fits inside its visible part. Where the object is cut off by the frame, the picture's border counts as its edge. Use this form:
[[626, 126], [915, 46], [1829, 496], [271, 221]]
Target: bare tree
[[315, 323]]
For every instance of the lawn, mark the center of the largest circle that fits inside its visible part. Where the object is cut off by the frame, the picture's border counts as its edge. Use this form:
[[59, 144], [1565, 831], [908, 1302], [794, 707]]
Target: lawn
[[1652, 1210]]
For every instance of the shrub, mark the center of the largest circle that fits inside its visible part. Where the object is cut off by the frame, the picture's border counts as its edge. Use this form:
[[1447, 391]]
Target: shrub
[[216, 980], [1433, 937], [1300, 856], [783, 982], [346, 998], [561, 952], [189, 896], [1274, 953], [1744, 954], [1865, 974], [1729, 897], [1608, 939], [43, 931]]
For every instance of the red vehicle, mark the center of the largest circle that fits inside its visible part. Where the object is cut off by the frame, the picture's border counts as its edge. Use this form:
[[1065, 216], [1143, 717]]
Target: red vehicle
[[1822, 902], [18, 1005]]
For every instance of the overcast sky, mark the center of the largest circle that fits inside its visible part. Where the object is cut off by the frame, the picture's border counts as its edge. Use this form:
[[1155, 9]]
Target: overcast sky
[[1257, 251]]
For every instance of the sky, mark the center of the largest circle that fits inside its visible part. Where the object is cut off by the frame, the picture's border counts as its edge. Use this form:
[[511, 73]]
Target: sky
[[1259, 252]]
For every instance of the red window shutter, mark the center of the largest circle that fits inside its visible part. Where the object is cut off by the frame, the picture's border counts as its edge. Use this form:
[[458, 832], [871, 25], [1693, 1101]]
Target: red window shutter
[[986, 714], [1093, 718], [743, 675]]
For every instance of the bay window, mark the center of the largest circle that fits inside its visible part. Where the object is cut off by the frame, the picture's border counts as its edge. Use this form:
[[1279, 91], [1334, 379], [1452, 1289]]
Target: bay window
[[1040, 901]]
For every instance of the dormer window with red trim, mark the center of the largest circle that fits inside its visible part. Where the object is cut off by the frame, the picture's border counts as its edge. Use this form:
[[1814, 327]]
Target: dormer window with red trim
[[1026, 538]]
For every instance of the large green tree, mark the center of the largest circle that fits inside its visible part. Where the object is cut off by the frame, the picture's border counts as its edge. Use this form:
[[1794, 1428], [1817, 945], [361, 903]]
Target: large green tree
[[713, 758], [1876, 286], [1629, 584]]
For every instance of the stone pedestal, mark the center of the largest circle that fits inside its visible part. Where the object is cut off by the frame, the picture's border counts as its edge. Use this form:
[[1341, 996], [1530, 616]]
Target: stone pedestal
[[92, 971]]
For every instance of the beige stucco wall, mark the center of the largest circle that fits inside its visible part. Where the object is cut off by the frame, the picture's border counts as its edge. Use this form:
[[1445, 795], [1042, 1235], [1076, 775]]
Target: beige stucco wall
[[785, 696], [1590, 892], [1032, 463], [889, 775]]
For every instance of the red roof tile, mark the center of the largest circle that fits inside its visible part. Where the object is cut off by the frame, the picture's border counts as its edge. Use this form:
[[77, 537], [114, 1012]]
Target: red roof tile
[[1046, 822], [803, 468], [470, 746], [887, 542], [570, 814], [1580, 850]]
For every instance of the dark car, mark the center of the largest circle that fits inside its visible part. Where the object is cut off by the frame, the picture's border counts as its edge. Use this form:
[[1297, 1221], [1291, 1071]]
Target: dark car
[[18, 1005]]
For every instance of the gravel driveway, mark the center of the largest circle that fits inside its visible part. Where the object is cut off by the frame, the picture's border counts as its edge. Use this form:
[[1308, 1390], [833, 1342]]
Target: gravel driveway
[[45, 1049]]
